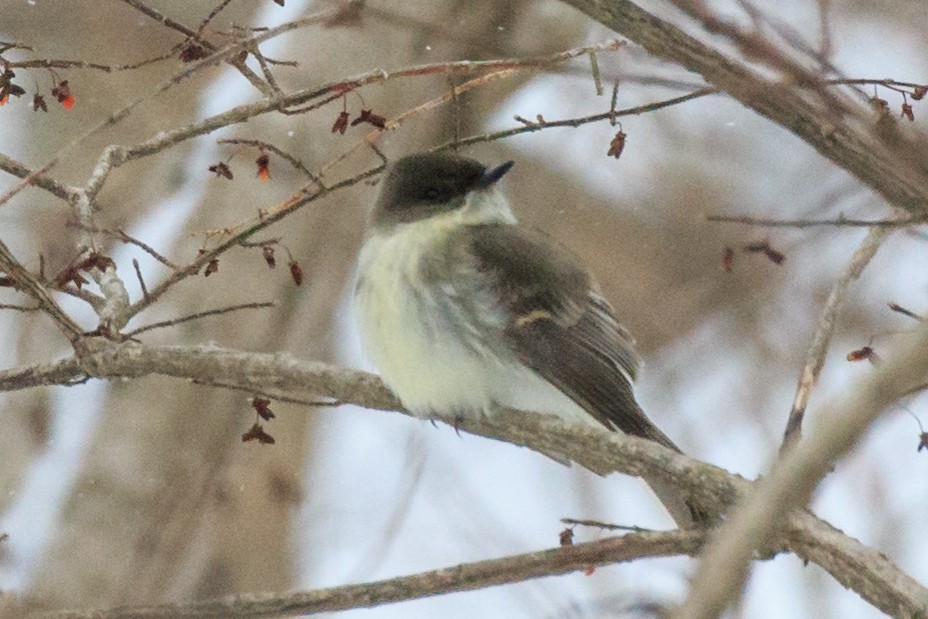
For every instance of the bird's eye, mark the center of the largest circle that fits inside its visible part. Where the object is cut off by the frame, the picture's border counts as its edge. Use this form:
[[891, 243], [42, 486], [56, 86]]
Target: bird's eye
[[431, 193]]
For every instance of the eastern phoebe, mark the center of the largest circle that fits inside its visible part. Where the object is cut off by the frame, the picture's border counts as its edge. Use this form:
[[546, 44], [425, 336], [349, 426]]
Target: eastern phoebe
[[463, 311]]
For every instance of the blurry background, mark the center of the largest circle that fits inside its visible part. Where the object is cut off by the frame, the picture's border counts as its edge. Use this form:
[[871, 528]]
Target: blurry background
[[135, 492]]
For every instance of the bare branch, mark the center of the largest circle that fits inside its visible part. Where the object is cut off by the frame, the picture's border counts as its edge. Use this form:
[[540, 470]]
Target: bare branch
[[815, 357], [841, 221], [576, 122], [466, 577], [213, 312], [32, 178]]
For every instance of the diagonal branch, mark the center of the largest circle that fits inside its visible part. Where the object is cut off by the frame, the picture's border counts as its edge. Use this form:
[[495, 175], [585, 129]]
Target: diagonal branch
[[815, 358], [30, 283]]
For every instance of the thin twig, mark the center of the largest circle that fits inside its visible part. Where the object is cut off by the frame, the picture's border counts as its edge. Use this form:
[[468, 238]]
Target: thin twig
[[19, 308], [191, 69], [296, 163], [841, 221], [277, 397], [598, 524], [206, 20], [576, 122], [198, 315], [30, 179], [815, 357], [272, 216], [126, 238], [138, 274]]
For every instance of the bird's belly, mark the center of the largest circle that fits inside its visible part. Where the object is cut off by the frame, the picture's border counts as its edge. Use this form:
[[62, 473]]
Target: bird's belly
[[429, 368], [430, 361]]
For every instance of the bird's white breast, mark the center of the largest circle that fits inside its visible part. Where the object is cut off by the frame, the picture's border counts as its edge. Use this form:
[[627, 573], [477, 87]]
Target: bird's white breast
[[403, 332]]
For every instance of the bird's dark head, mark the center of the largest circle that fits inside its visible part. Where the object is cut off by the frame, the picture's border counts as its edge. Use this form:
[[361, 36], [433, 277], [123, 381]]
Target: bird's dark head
[[421, 186]]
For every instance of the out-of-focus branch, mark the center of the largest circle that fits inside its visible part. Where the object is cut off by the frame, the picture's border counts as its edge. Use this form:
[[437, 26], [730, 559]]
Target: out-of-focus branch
[[849, 139], [465, 577], [723, 568], [11, 166], [868, 572], [815, 357]]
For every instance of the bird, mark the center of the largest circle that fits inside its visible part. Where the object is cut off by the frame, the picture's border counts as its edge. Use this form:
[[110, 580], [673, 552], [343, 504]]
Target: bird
[[462, 309]]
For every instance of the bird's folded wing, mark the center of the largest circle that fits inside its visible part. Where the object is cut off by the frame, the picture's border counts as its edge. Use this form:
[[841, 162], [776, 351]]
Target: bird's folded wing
[[558, 324]]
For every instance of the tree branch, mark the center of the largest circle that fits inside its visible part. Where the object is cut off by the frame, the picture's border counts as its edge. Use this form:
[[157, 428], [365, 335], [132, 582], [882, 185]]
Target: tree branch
[[815, 358], [466, 577]]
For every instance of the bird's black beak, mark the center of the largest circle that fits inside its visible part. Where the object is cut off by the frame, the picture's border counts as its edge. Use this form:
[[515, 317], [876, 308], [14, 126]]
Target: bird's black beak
[[492, 175]]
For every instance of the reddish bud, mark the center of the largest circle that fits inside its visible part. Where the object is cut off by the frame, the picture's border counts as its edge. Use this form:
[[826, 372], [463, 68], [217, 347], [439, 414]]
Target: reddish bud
[[95, 261], [296, 272], [257, 433], [566, 537], [865, 352], [7, 282], [617, 145], [268, 252], [192, 51], [907, 111], [262, 406], [62, 92], [69, 275], [589, 571], [763, 247], [211, 267], [264, 171], [341, 123], [367, 116], [221, 169], [7, 87], [923, 441], [919, 92], [728, 259]]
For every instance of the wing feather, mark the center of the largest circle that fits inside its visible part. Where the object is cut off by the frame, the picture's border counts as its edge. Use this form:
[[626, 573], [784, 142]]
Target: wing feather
[[560, 326]]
